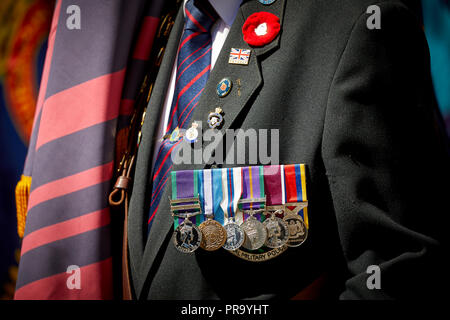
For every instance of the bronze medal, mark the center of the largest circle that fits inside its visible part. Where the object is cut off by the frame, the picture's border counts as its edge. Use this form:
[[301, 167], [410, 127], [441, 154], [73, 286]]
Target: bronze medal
[[297, 230], [214, 235]]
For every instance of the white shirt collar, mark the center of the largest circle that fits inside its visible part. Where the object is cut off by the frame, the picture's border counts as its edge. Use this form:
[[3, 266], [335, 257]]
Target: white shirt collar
[[226, 9]]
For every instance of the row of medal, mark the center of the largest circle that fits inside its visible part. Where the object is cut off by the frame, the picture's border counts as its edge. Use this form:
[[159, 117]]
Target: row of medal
[[244, 207], [252, 234], [207, 192]]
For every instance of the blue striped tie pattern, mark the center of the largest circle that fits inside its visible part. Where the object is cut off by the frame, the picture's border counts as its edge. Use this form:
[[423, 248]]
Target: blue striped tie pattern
[[193, 67]]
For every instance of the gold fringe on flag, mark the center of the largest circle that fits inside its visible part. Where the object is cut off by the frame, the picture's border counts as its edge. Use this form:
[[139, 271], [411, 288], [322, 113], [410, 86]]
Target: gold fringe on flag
[[22, 194]]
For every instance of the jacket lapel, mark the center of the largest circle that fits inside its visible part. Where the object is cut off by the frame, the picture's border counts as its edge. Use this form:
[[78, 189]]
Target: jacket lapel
[[234, 104], [247, 79], [249, 76]]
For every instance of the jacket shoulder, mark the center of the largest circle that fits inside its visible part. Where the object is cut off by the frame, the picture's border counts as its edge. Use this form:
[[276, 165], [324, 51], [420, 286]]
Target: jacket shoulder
[[345, 12]]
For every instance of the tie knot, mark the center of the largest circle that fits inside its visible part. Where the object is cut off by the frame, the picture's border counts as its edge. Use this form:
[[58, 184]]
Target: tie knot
[[200, 16]]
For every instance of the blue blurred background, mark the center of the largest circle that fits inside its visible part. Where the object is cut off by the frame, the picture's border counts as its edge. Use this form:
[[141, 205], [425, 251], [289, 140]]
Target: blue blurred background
[[24, 27], [436, 18]]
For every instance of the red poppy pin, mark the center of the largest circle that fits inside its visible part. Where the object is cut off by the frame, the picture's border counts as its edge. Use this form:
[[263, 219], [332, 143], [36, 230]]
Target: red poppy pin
[[261, 28]]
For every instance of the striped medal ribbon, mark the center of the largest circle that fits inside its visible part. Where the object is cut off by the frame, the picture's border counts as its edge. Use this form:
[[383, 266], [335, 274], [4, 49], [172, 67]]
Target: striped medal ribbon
[[277, 228], [295, 214], [213, 233], [274, 186], [186, 210], [211, 193], [231, 191], [295, 190], [232, 184], [253, 195], [252, 204]]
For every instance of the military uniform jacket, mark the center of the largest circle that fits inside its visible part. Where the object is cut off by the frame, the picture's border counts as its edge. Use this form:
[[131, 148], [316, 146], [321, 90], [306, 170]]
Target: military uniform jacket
[[356, 106]]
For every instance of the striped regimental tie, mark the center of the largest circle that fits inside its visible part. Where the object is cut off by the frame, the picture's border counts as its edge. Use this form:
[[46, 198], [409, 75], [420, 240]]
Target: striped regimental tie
[[193, 67]]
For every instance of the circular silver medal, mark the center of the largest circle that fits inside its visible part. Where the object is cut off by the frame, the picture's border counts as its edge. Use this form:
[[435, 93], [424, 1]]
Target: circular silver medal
[[255, 233], [277, 232], [187, 237], [235, 236], [297, 230]]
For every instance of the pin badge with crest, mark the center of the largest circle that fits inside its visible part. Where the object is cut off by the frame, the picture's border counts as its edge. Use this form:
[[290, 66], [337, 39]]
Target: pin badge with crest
[[215, 119]]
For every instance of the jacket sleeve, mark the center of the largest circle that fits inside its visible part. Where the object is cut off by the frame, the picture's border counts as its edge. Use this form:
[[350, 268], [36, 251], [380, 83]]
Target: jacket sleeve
[[386, 164]]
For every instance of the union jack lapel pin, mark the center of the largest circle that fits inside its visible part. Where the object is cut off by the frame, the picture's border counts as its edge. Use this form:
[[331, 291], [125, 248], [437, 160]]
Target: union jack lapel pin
[[239, 56]]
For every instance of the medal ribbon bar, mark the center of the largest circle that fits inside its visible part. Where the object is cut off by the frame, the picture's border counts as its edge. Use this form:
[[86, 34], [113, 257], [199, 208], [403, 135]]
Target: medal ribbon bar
[[275, 191], [253, 196], [211, 193], [232, 192], [295, 190], [185, 200]]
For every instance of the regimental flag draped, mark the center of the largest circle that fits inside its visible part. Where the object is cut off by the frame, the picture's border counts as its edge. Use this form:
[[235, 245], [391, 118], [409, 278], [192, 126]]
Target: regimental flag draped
[[71, 153], [24, 28]]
